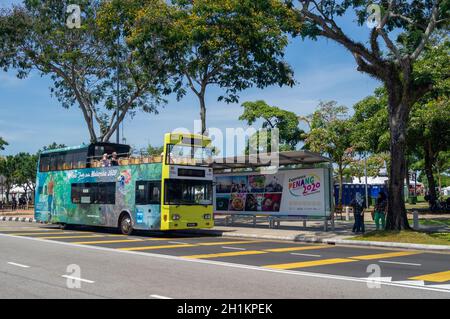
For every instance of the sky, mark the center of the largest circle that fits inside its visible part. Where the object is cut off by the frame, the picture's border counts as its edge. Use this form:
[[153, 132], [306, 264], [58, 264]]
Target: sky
[[31, 118]]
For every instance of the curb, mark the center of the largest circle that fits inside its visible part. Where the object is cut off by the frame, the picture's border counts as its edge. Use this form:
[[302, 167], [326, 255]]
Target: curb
[[17, 219], [329, 241], [387, 244]]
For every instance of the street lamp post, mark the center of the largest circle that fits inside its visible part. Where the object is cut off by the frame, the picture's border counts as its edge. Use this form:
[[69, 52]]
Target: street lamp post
[[365, 177]]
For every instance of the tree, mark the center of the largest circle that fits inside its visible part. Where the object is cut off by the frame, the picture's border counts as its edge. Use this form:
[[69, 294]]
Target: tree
[[429, 131], [25, 172], [82, 62], [330, 134], [374, 164], [8, 166], [155, 150], [3, 143], [231, 44], [273, 117], [370, 120], [53, 146], [413, 23]]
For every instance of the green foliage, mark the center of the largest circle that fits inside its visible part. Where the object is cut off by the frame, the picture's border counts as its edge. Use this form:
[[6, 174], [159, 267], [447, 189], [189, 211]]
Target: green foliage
[[3, 143], [330, 133], [155, 150], [25, 172], [371, 125], [273, 117], [375, 163], [82, 63], [53, 146], [232, 44]]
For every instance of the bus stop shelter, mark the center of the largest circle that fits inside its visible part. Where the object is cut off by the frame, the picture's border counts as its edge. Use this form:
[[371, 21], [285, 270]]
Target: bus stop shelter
[[295, 185]]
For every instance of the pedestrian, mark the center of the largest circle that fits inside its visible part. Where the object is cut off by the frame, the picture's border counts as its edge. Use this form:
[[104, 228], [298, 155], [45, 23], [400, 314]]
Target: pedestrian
[[114, 159], [105, 161], [358, 213], [14, 203], [380, 211]]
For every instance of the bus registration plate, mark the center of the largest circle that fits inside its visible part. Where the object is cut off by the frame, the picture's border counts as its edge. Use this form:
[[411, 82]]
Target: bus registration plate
[[191, 224]]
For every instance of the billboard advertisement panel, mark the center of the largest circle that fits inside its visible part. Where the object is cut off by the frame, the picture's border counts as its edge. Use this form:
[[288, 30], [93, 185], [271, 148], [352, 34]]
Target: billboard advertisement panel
[[299, 192]]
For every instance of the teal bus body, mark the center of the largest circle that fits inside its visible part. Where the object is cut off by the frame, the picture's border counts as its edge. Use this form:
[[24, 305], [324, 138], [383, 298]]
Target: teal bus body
[[55, 201]]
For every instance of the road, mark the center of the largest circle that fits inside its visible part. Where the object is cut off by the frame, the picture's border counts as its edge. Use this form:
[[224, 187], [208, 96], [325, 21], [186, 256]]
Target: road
[[42, 261]]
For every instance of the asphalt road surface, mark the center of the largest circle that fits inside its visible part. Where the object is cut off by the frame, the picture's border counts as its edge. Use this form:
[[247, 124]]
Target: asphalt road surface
[[42, 261]]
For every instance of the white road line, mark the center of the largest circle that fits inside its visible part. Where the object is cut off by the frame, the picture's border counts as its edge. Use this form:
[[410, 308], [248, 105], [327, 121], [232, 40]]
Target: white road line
[[227, 264], [234, 248], [398, 263], [307, 255], [78, 279], [160, 297], [18, 265], [177, 242]]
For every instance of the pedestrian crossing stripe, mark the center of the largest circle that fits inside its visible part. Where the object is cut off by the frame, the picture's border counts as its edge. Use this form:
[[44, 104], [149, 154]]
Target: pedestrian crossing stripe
[[156, 247], [227, 254], [116, 241], [282, 250], [442, 276], [231, 242], [47, 233], [386, 255], [71, 237], [313, 263]]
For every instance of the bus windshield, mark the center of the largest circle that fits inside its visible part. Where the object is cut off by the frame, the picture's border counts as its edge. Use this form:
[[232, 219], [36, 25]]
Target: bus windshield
[[180, 154], [188, 192]]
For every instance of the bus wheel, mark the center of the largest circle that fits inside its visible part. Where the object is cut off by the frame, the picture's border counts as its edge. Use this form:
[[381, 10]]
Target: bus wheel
[[125, 225]]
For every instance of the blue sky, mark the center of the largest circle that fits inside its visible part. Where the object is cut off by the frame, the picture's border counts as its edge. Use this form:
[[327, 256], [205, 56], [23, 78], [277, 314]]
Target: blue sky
[[30, 118]]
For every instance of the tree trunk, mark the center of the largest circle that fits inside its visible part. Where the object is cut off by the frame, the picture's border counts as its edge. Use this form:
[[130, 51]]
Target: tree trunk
[[201, 98], [428, 159], [340, 173], [398, 118]]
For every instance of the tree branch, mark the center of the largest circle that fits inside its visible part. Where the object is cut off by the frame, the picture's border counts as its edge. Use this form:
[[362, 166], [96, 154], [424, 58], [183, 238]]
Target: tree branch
[[429, 30]]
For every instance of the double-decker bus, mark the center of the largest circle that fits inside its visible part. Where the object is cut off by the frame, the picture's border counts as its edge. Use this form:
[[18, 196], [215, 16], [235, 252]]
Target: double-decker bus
[[167, 192]]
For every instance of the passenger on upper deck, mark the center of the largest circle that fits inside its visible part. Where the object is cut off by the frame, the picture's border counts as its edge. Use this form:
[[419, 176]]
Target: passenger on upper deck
[[114, 159], [105, 161]]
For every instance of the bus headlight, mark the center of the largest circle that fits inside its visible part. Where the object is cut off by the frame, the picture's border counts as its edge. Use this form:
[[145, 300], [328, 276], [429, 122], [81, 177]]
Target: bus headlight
[[176, 217], [207, 216]]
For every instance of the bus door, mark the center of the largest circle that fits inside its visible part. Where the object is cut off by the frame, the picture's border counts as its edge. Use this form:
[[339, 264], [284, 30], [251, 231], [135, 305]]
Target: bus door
[[147, 214]]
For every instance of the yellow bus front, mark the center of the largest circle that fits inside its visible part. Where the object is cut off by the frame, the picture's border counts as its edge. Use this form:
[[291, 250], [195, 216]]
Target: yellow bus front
[[187, 195]]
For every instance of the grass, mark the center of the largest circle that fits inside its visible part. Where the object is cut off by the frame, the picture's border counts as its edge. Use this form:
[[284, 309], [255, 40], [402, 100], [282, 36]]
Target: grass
[[435, 222], [411, 237]]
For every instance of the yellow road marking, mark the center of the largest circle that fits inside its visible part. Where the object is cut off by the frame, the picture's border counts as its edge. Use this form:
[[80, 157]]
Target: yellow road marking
[[107, 241], [435, 277], [228, 254], [45, 233], [230, 242], [313, 263], [70, 237], [386, 255], [280, 250], [156, 247]]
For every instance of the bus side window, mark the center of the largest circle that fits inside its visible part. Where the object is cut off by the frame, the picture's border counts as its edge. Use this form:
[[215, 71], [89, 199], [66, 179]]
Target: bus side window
[[148, 193], [156, 193], [44, 163]]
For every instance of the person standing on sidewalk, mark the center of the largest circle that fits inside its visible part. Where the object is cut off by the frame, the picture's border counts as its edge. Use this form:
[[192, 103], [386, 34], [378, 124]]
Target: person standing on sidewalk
[[380, 211], [358, 213]]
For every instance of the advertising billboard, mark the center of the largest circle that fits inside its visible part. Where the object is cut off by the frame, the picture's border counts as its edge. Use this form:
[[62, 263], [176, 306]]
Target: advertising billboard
[[299, 192]]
